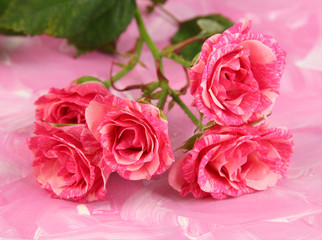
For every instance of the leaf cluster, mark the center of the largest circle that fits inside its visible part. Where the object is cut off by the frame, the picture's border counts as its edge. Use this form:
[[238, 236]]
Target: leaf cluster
[[87, 24], [201, 26]]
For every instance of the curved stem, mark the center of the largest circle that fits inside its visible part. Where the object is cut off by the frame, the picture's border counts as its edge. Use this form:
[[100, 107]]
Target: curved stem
[[168, 13], [184, 107], [151, 90], [185, 88], [146, 37], [178, 59], [177, 47], [157, 58], [157, 55], [131, 64], [164, 94]]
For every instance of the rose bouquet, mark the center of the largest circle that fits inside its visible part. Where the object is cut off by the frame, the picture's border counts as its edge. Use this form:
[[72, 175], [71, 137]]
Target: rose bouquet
[[83, 132]]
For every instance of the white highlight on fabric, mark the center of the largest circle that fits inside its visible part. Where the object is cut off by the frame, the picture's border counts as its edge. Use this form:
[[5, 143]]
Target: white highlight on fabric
[[83, 210]]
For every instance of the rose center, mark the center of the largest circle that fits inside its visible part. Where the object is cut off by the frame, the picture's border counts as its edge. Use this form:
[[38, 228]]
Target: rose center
[[233, 86], [70, 114], [130, 143], [127, 139], [234, 77], [254, 168]]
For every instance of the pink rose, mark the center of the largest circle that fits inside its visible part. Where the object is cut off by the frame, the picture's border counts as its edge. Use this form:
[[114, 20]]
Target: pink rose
[[67, 162], [232, 161], [134, 136], [68, 105], [236, 79]]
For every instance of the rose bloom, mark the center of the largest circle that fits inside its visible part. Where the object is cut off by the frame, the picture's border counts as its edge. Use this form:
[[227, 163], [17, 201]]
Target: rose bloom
[[232, 161], [68, 105], [236, 79], [67, 162], [134, 136]]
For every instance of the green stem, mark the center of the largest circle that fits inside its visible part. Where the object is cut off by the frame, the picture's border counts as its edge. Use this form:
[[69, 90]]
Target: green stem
[[184, 107], [146, 37], [177, 47], [157, 55], [178, 59], [131, 64], [164, 94], [151, 90], [168, 13], [157, 58]]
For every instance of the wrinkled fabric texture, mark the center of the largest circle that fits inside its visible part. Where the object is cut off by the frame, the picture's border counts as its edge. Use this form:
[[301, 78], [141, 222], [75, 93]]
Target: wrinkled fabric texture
[[67, 162], [134, 136], [232, 161], [67, 105], [236, 79]]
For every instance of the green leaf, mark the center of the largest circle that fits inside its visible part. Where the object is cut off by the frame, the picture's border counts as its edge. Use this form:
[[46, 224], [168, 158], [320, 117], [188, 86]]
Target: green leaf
[[190, 28], [107, 48], [107, 27], [3, 5], [10, 32], [156, 95], [149, 88], [171, 105], [209, 125], [59, 124], [154, 3], [88, 24], [188, 145], [120, 64], [59, 18], [209, 26], [162, 115], [143, 100], [87, 79], [195, 59], [151, 85], [81, 51], [158, 1], [150, 9]]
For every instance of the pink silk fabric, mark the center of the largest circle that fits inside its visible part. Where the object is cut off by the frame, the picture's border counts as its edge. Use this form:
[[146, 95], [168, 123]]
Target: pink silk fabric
[[142, 209]]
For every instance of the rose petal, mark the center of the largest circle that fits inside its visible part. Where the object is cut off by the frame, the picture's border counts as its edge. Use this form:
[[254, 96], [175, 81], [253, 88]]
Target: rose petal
[[63, 166]]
